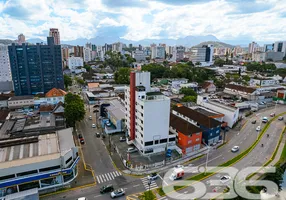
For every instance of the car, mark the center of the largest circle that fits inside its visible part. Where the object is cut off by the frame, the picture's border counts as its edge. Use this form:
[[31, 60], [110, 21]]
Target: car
[[225, 179], [253, 122], [117, 193], [97, 135], [169, 151], [106, 188], [82, 198], [258, 128], [280, 118], [90, 117], [131, 150], [264, 119], [153, 176], [272, 115], [93, 126], [235, 149], [79, 136], [81, 141], [108, 124], [179, 166], [122, 139], [168, 155]]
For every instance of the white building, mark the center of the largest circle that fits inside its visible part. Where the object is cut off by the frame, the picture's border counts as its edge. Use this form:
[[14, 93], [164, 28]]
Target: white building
[[37, 161], [157, 52], [280, 46], [267, 56], [117, 47], [147, 116], [5, 71], [75, 62], [87, 54], [139, 55], [203, 54], [252, 46]]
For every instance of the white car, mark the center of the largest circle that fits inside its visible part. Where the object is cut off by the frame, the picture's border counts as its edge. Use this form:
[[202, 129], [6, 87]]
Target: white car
[[90, 117], [235, 149], [82, 198], [225, 179], [153, 176], [93, 126], [117, 193], [131, 150], [258, 128]]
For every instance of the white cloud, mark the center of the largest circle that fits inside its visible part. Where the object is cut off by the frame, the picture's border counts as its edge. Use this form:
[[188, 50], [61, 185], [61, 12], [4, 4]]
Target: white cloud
[[83, 19]]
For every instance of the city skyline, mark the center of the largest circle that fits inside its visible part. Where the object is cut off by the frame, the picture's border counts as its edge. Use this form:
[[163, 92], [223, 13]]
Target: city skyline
[[228, 20]]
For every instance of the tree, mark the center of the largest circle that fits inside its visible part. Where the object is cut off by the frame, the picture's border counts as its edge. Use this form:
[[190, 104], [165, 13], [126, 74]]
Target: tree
[[198, 63], [188, 91], [74, 109], [67, 81], [219, 62], [156, 70], [246, 78], [189, 99], [122, 75], [87, 67], [80, 81]]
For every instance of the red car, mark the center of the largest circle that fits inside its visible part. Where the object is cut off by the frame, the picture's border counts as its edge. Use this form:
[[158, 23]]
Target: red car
[[81, 140]]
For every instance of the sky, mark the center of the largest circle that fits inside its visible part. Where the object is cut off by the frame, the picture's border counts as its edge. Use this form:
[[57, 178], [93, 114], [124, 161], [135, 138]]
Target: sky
[[233, 21]]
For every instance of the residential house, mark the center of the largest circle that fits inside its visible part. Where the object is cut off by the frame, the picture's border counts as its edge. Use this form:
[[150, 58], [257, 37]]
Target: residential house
[[58, 113], [46, 109], [4, 101], [188, 136], [53, 97], [210, 127], [92, 86], [208, 87]]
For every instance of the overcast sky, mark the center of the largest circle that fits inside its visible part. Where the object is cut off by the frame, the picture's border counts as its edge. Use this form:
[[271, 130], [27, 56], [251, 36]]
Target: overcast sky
[[228, 20]]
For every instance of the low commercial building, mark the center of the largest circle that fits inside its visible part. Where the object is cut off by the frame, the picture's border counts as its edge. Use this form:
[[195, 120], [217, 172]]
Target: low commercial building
[[238, 90], [90, 98], [37, 161], [188, 136], [267, 56], [230, 113], [20, 102], [263, 82], [74, 63], [177, 82], [210, 127], [208, 87]]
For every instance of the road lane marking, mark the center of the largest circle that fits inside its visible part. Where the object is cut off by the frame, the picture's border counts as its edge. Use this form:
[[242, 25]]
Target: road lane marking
[[97, 196], [98, 181], [163, 179], [109, 176], [105, 175], [101, 180], [136, 185]]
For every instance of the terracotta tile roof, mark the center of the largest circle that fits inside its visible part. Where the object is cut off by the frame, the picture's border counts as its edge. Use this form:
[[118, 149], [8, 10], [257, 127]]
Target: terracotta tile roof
[[46, 108], [206, 84], [56, 93], [183, 126], [93, 85], [197, 117], [240, 88]]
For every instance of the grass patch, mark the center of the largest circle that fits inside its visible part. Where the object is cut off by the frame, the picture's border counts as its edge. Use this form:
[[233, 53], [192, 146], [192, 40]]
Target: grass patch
[[230, 162], [148, 195], [160, 192]]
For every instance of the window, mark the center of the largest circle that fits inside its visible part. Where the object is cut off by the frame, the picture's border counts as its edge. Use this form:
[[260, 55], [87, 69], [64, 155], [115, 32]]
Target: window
[[163, 141], [142, 107], [50, 168], [68, 160], [141, 142], [141, 114], [198, 139], [27, 173], [141, 121], [156, 141], [172, 139], [148, 143], [141, 135], [141, 128], [7, 177]]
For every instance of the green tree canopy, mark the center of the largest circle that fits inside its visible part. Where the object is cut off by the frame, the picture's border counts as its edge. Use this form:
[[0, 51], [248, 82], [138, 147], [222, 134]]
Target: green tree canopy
[[188, 91], [67, 81], [189, 99], [260, 67], [74, 109], [122, 75]]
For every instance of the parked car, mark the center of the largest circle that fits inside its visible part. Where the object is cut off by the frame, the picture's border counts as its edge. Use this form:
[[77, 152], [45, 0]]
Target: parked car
[[179, 166], [108, 124], [117, 193], [253, 122], [235, 149], [272, 115], [280, 118], [122, 139], [106, 188], [258, 128], [153, 176], [93, 126], [225, 179], [168, 155], [265, 120], [82, 198], [79, 136], [81, 140], [90, 117], [131, 150], [97, 135]]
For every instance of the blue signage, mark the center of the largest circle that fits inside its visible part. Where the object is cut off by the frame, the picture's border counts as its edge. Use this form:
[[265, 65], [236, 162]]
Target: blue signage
[[38, 176]]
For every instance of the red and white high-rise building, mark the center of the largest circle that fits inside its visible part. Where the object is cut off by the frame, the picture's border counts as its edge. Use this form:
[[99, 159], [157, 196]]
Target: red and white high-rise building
[[147, 115], [54, 32]]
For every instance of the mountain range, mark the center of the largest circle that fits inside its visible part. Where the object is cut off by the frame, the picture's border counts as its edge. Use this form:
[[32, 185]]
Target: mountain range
[[188, 41]]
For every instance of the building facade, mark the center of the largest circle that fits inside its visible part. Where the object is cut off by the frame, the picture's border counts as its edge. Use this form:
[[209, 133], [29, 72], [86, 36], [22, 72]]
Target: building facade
[[54, 32], [87, 54], [203, 54], [252, 46], [144, 109], [21, 39], [78, 51], [138, 55], [5, 71], [75, 62], [36, 68]]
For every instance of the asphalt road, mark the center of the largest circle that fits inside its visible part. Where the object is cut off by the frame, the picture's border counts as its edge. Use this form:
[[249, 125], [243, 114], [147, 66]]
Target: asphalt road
[[257, 157]]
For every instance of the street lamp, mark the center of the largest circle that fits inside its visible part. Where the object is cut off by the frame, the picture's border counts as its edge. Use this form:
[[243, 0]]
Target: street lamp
[[207, 160]]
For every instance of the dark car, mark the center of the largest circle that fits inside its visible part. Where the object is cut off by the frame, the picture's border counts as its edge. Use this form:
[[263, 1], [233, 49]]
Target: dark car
[[98, 135], [103, 135], [253, 122], [79, 136], [106, 188]]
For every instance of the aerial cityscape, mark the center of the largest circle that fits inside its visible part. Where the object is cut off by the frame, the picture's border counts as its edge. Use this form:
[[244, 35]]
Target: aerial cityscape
[[142, 99]]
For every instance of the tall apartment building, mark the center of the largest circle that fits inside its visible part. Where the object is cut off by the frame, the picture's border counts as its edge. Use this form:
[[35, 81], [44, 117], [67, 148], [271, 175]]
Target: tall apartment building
[[36, 68], [147, 116], [117, 47], [74, 63], [21, 39], [87, 54], [54, 32], [157, 52], [5, 71], [280, 46], [78, 51], [252, 46], [139, 55]]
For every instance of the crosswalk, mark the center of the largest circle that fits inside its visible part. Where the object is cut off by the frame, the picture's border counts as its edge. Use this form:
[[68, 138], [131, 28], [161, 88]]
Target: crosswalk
[[145, 181], [107, 177]]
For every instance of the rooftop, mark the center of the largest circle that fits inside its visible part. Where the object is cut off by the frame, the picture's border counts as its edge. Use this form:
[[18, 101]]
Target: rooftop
[[4, 114], [16, 98], [206, 112], [93, 85], [183, 126], [240, 88], [197, 116], [38, 148], [56, 93], [116, 109], [154, 93]]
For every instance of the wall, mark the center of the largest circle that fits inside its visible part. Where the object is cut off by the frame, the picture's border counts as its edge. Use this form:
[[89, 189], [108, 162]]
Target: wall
[[189, 141], [20, 103]]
